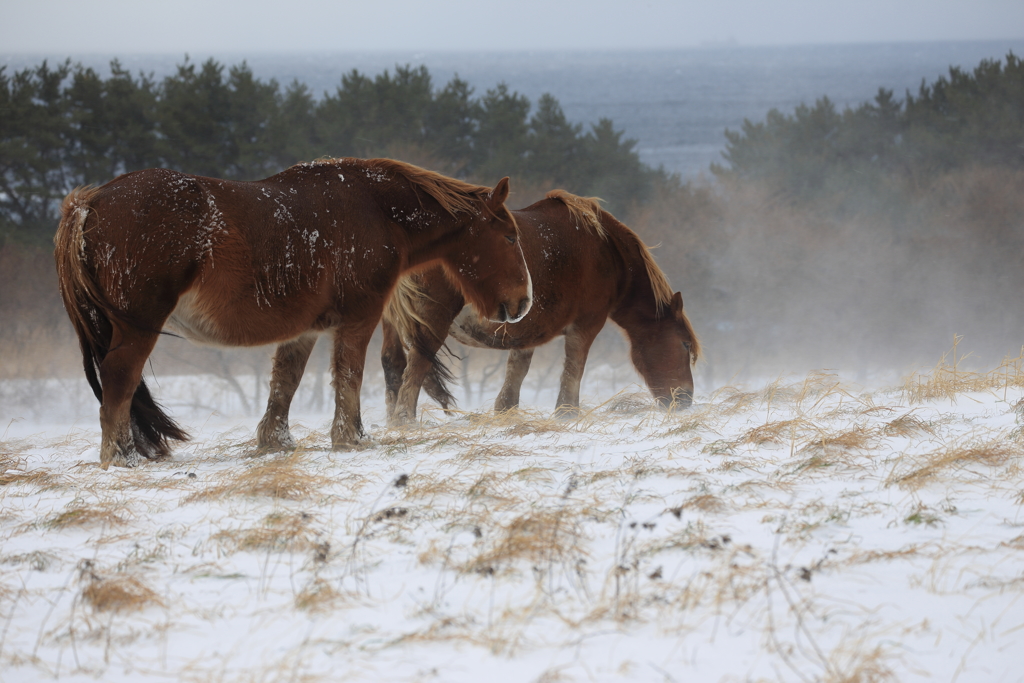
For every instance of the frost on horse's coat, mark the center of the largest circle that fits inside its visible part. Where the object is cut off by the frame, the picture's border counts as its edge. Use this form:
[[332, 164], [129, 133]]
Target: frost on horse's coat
[[586, 267], [316, 248]]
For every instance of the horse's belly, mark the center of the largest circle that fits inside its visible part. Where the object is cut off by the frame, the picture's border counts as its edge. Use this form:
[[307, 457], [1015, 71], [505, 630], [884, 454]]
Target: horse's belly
[[190, 321]]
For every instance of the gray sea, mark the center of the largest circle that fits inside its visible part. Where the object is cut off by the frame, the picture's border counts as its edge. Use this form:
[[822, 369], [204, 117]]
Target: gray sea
[[675, 104]]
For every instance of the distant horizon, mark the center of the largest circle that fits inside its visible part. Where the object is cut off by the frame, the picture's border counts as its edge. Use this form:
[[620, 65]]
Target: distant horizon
[[710, 46]]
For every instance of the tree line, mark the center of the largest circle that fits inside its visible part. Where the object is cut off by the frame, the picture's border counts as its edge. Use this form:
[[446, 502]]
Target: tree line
[[966, 119], [67, 125]]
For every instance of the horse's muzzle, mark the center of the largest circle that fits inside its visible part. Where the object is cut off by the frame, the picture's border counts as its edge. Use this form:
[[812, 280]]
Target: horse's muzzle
[[505, 315], [681, 399]]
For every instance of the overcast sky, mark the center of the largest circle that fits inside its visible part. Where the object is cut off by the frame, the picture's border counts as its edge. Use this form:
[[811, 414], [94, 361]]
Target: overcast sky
[[249, 26]]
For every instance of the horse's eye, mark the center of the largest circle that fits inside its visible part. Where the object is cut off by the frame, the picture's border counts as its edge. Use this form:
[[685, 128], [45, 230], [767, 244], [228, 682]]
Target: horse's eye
[[511, 239]]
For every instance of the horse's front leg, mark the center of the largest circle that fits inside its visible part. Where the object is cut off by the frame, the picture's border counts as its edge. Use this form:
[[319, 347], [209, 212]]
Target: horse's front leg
[[348, 360], [290, 359], [577, 347], [515, 372], [120, 373]]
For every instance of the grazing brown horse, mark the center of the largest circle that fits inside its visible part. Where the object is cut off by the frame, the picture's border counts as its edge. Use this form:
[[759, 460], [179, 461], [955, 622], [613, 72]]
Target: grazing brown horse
[[586, 267], [316, 248]]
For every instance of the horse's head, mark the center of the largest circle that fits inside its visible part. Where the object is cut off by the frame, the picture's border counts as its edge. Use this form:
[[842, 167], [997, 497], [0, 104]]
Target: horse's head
[[663, 351], [487, 262]]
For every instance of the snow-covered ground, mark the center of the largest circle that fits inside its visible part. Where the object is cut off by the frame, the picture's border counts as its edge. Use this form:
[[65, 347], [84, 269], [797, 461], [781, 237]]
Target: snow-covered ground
[[800, 530]]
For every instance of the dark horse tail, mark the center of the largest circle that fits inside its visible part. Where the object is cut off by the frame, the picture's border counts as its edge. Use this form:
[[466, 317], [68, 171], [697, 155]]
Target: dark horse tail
[[93, 317]]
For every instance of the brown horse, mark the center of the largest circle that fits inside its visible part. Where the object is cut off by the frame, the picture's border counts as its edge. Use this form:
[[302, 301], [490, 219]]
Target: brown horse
[[586, 267], [316, 248]]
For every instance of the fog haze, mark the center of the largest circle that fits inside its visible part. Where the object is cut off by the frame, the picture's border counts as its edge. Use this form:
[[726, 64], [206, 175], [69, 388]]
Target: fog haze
[[124, 26]]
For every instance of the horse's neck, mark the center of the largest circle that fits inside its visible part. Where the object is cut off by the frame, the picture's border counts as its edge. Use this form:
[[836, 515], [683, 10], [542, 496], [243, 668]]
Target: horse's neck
[[431, 235], [636, 299]]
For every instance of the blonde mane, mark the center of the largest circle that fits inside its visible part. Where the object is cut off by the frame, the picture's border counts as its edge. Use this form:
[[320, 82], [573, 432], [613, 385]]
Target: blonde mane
[[454, 196], [585, 210], [663, 295], [662, 290]]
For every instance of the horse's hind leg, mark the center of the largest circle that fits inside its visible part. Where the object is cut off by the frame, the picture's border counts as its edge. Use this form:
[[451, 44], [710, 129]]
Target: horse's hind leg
[[349, 358], [408, 394], [289, 362], [515, 372], [393, 360], [120, 373]]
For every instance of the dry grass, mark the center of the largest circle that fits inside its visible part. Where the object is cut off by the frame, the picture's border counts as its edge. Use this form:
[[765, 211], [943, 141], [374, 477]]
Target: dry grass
[[41, 479], [491, 451], [705, 502], [629, 404], [319, 597], [859, 664], [777, 433], [280, 476], [538, 537], [834, 449], [537, 426], [280, 532], [907, 425], [915, 471], [951, 377], [79, 513], [117, 593]]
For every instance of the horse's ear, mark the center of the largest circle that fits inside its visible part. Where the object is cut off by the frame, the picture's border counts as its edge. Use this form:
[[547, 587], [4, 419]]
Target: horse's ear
[[499, 194], [677, 303]]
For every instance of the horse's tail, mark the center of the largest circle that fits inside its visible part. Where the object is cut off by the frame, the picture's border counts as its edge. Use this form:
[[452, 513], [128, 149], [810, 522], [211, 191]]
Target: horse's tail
[[93, 317], [416, 333]]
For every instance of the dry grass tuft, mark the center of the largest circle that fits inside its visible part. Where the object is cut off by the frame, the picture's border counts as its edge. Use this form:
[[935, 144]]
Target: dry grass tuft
[[868, 556], [489, 451], [319, 597], [78, 513], [859, 666], [828, 450], [949, 378], [539, 537], [118, 593], [275, 477], [776, 432], [907, 425], [914, 471], [629, 404], [280, 532], [542, 426], [38, 478], [733, 401], [706, 502], [12, 469]]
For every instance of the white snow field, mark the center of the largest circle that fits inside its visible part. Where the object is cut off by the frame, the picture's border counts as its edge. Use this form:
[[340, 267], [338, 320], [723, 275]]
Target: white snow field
[[803, 530]]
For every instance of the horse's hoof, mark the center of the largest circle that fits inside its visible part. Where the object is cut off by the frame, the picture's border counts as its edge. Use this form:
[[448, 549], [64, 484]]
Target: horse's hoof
[[350, 445], [567, 412], [121, 458], [276, 446], [400, 420]]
